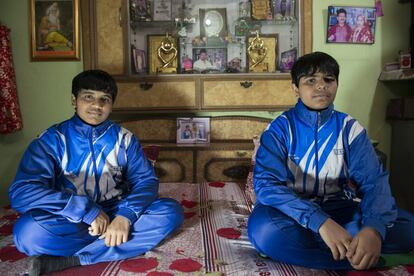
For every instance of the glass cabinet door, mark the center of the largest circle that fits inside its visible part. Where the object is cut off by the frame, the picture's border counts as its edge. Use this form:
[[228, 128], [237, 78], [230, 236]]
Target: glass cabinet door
[[213, 37]]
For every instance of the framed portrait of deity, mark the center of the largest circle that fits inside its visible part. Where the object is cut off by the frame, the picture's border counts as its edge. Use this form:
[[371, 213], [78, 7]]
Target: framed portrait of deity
[[54, 30]]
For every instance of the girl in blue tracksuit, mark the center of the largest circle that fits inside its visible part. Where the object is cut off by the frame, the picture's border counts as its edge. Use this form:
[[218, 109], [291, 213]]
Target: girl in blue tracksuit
[[306, 212], [85, 190]]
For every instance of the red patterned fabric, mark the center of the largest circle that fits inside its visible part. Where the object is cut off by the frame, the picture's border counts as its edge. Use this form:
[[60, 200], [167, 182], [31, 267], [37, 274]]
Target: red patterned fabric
[[185, 265], [10, 116], [217, 184]]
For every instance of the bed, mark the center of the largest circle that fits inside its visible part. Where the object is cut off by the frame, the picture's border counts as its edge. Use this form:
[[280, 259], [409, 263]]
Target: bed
[[212, 241]]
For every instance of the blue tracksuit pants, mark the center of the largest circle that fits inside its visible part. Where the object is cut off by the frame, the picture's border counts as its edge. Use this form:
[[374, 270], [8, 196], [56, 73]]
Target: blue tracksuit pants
[[283, 239], [41, 233]]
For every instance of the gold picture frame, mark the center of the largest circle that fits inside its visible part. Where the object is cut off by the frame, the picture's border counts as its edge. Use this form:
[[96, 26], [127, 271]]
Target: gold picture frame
[[263, 60], [162, 56], [54, 30]]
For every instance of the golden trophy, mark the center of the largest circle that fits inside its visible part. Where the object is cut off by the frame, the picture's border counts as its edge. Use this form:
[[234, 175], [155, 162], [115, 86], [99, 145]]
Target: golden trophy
[[262, 53], [167, 56], [257, 53]]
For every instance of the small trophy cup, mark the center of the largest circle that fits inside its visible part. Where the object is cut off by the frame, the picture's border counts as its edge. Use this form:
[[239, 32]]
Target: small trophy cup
[[167, 56], [257, 53]]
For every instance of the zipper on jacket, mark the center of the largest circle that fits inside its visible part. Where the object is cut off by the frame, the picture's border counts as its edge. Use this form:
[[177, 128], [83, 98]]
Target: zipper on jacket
[[318, 123], [96, 192]]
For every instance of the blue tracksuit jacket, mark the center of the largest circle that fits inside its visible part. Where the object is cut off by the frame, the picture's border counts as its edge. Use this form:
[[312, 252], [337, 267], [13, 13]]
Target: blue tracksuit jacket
[[74, 169], [308, 157]]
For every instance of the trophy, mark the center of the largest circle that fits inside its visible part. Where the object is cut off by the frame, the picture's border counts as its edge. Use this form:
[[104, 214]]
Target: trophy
[[167, 55], [257, 53]]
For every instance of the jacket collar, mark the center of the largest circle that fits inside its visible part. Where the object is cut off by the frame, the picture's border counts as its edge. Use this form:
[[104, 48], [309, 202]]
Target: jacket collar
[[310, 117], [86, 129]]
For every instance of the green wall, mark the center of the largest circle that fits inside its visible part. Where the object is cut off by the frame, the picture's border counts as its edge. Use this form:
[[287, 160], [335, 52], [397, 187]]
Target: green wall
[[44, 87], [360, 94]]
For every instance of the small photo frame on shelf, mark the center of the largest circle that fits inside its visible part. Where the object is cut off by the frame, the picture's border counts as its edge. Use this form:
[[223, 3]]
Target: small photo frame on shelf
[[140, 10], [245, 9], [209, 60], [213, 22], [261, 10], [193, 130], [54, 30], [262, 53], [138, 60], [162, 54], [287, 59], [348, 24], [162, 10], [284, 9]]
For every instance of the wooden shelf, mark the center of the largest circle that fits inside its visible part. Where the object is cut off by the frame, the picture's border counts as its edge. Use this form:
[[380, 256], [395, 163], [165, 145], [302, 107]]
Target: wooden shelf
[[397, 75]]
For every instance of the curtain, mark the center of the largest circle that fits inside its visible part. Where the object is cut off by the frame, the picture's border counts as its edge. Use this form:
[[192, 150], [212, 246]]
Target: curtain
[[10, 116]]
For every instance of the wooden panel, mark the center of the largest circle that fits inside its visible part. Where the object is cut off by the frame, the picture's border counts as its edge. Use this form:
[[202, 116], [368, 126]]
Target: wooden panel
[[162, 95], [177, 166], [159, 130], [307, 26], [262, 94], [109, 37], [212, 164], [236, 128]]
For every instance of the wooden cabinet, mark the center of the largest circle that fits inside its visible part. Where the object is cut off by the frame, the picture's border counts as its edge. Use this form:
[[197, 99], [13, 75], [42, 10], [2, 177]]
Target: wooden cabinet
[[247, 94], [226, 158], [148, 103], [157, 95]]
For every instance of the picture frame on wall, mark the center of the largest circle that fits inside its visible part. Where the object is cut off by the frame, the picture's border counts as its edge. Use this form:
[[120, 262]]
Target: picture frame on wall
[[351, 24], [194, 130], [54, 30]]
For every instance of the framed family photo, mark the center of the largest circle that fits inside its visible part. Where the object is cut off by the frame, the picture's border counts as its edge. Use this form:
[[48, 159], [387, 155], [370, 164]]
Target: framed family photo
[[54, 30], [349, 24], [193, 130], [209, 60]]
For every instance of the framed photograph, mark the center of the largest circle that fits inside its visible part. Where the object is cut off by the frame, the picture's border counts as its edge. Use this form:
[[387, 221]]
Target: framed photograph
[[262, 53], [162, 10], [162, 54], [54, 30], [284, 9], [213, 22], [209, 60], [139, 60], [287, 59], [347, 24], [193, 130], [139, 10]]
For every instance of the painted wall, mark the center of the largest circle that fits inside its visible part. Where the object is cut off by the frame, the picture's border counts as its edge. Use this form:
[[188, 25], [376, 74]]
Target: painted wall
[[44, 87], [44, 90], [359, 92]]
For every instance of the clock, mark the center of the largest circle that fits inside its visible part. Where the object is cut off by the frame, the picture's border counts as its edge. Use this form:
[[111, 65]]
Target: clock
[[213, 22]]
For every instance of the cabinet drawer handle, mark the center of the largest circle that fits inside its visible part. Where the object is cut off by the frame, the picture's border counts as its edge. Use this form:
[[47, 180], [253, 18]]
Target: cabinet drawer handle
[[241, 153], [146, 86], [246, 84]]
